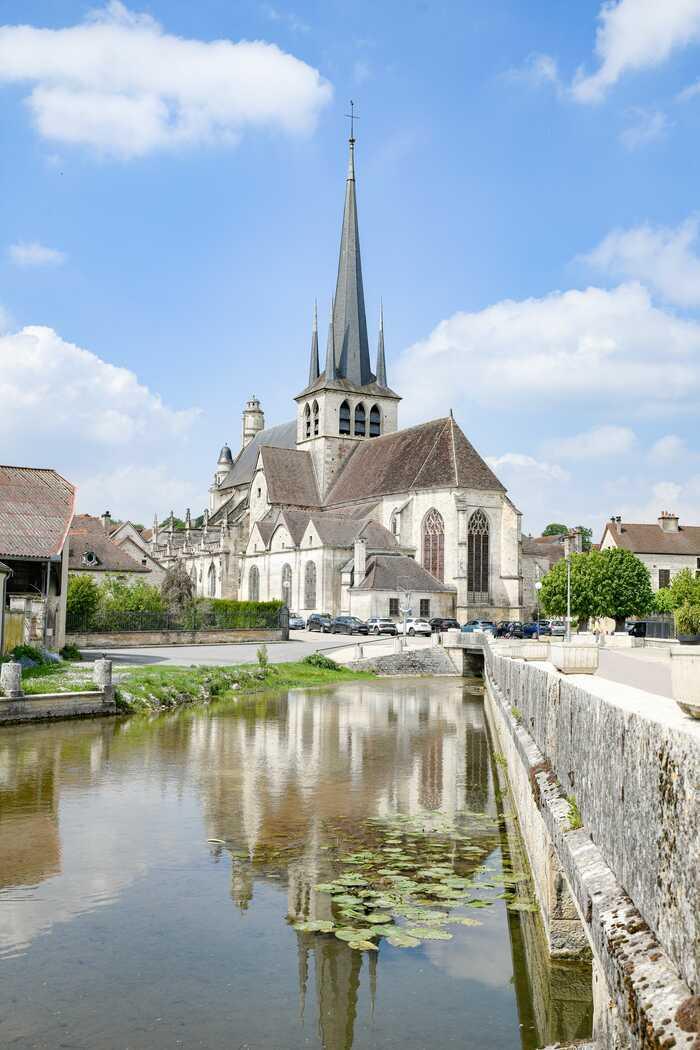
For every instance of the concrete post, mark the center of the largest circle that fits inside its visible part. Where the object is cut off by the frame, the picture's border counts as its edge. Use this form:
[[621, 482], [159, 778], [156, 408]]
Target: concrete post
[[103, 679], [359, 653], [11, 679]]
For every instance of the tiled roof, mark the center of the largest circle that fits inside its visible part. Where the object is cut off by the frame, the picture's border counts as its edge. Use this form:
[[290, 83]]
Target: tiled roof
[[241, 473], [290, 477], [369, 390], [36, 508], [651, 539], [386, 572], [432, 455], [88, 534]]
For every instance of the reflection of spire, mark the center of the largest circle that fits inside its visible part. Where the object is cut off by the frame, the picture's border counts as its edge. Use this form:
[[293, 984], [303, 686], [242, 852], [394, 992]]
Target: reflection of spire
[[303, 962], [373, 960], [337, 985]]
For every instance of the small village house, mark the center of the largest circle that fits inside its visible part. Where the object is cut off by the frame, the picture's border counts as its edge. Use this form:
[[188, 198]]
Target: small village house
[[666, 547]]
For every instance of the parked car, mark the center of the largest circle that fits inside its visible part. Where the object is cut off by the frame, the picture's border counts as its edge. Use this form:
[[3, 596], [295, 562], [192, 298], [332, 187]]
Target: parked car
[[637, 629], [558, 628], [381, 625], [418, 626], [532, 630], [348, 625], [509, 629], [444, 623], [296, 622], [319, 622], [479, 625]]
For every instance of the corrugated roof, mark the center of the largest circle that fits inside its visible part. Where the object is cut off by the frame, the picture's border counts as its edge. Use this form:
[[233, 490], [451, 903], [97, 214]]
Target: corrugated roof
[[36, 508], [386, 572], [290, 477], [651, 539], [87, 534], [241, 473], [431, 455]]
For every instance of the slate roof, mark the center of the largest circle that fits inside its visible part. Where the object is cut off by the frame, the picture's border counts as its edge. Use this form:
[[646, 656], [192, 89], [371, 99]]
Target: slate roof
[[290, 477], [235, 511], [333, 531], [87, 534], [550, 547], [651, 539], [241, 473], [431, 455], [36, 508], [386, 571], [371, 389]]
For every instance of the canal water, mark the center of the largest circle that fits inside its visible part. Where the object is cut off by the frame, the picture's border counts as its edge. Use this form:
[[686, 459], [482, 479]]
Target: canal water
[[327, 869]]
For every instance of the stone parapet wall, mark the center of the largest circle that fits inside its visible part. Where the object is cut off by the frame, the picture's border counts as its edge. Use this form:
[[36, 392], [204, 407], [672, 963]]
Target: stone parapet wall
[[135, 639], [633, 765], [49, 706]]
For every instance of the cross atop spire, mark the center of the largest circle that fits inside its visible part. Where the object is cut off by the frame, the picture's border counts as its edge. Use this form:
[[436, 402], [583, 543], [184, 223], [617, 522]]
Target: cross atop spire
[[352, 117], [313, 365]]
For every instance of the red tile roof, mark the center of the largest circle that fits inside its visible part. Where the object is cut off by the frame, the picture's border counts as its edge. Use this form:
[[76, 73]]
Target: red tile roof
[[88, 534], [651, 539], [36, 509]]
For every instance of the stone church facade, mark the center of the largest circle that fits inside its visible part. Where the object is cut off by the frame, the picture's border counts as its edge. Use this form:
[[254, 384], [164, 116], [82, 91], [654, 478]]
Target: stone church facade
[[340, 510]]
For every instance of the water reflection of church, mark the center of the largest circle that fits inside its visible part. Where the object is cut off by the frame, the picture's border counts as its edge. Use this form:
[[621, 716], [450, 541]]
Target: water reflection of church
[[312, 775]]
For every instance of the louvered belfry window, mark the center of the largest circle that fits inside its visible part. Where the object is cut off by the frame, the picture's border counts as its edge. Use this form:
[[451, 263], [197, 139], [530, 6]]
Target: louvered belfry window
[[434, 544], [375, 422], [478, 558], [310, 585], [344, 419], [360, 420]]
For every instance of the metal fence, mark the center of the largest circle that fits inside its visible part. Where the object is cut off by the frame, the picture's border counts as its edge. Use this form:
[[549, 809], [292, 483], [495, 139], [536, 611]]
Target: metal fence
[[662, 627], [248, 615]]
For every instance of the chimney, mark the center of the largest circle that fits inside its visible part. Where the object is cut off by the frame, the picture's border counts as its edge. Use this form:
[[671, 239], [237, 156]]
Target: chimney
[[668, 522], [360, 567], [107, 522], [616, 523]]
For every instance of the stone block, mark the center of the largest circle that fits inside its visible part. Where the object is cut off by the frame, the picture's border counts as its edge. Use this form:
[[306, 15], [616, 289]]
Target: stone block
[[574, 658], [685, 678]]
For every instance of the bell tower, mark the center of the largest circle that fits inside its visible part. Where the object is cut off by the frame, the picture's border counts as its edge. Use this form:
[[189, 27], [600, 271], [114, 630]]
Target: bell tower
[[346, 402], [253, 420]]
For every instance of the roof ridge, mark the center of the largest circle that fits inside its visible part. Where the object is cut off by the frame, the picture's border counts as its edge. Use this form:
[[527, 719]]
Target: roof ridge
[[454, 450]]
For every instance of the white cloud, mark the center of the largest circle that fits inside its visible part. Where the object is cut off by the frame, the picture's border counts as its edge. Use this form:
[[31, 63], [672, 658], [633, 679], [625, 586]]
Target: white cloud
[[662, 257], [565, 348], [646, 125], [136, 491], [524, 465], [121, 85], [668, 449], [538, 69], [52, 387], [597, 443], [31, 253], [635, 35]]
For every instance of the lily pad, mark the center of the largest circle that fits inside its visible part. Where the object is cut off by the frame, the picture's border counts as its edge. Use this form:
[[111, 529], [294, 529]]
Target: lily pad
[[379, 917], [428, 933], [347, 933], [363, 946], [403, 940], [315, 926]]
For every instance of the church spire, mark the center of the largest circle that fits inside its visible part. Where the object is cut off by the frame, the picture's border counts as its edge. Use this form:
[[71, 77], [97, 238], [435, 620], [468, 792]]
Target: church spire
[[349, 320], [381, 360], [330, 349], [313, 366]]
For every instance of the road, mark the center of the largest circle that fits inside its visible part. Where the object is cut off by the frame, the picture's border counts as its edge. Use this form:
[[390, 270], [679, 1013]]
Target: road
[[648, 669], [300, 644]]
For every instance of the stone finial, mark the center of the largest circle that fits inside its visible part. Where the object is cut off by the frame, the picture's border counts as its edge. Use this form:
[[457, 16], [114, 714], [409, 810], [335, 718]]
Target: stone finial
[[11, 679]]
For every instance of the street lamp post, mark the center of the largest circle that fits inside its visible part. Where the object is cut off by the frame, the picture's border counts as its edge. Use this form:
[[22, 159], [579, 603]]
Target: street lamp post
[[567, 555], [538, 588]]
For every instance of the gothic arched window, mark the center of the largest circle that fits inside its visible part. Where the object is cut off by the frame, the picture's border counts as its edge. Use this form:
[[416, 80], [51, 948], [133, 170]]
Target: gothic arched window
[[211, 581], [193, 577], [316, 418], [310, 585], [287, 585], [253, 584], [478, 557], [307, 421], [375, 421], [344, 419], [360, 420], [434, 544]]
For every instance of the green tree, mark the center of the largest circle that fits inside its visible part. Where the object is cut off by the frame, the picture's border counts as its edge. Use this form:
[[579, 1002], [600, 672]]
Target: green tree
[[620, 585], [663, 600], [82, 598], [119, 595], [586, 537], [553, 592], [555, 528], [684, 588]]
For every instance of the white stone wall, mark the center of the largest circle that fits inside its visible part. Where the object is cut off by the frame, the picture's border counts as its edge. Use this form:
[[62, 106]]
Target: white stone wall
[[376, 603]]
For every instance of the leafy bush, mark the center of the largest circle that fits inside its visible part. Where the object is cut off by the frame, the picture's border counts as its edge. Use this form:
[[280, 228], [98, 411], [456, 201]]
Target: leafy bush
[[82, 599], [688, 619], [119, 595], [319, 660], [71, 652], [28, 652], [225, 612], [263, 661], [685, 588], [177, 589], [612, 583], [663, 600]]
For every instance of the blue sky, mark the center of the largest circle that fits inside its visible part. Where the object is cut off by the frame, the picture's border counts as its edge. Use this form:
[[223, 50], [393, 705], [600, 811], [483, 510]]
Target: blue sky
[[527, 186]]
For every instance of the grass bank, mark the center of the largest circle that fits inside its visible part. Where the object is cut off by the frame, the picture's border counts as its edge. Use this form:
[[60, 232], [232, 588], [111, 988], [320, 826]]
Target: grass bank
[[149, 689], [57, 678]]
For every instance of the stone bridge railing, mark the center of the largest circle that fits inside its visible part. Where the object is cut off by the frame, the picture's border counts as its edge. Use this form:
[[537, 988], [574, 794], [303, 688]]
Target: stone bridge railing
[[607, 778]]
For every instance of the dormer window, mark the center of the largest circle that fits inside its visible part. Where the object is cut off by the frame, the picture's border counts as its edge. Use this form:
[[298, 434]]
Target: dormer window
[[90, 559]]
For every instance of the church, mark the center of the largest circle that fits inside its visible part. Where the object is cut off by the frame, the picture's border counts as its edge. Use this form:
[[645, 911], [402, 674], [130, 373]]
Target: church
[[340, 511]]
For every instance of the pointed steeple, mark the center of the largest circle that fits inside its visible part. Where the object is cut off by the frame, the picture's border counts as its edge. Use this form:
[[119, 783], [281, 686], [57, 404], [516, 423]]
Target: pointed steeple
[[313, 366], [349, 320], [331, 372], [381, 361]]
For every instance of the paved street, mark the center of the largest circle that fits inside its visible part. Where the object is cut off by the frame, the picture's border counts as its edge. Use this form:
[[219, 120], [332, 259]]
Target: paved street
[[648, 669], [300, 644]]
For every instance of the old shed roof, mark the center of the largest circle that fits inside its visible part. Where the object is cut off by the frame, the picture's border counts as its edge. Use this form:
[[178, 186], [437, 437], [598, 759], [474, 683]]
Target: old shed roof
[[432, 455], [87, 534], [36, 508], [387, 572]]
